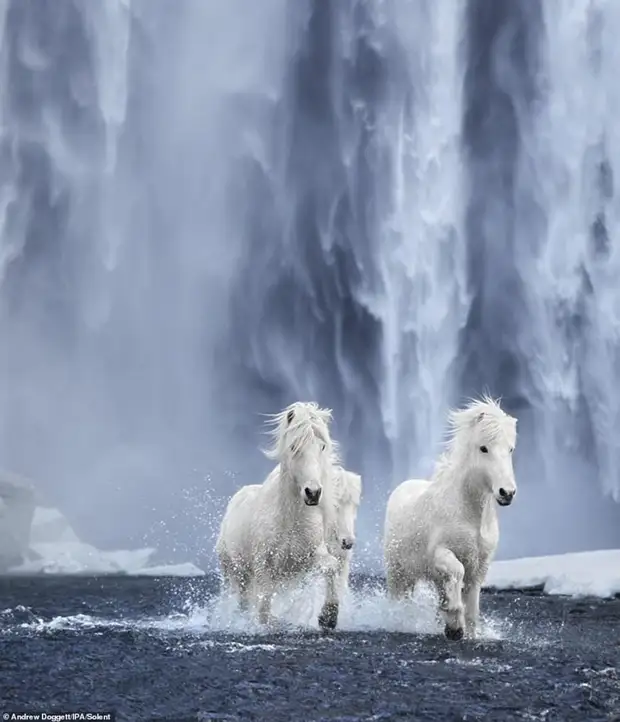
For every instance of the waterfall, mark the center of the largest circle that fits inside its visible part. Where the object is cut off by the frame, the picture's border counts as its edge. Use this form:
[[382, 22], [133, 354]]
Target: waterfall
[[565, 224], [369, 226], [571, 275], [210, 209]]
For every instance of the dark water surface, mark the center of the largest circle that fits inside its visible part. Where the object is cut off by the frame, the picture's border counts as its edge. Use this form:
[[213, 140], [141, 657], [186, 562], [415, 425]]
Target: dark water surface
[[152, 649]]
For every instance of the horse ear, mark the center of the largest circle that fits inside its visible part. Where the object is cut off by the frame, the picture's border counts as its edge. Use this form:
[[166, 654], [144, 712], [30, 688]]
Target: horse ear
[[290, 416]]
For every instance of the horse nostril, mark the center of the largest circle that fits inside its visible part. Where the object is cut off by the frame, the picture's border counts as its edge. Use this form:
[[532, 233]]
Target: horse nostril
[[312, 495], [347, 544], [503, 493]]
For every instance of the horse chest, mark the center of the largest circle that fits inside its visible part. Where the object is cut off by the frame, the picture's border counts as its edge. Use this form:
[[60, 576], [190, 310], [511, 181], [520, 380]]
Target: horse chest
[[294, 557], [486, 544], [488, 536]]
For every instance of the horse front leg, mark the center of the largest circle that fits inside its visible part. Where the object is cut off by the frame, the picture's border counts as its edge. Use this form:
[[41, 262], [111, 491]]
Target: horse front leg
[[450, 574], [471, 596], [336, 584], [265, 589], [330, 568], [471, 599], [244, 594]]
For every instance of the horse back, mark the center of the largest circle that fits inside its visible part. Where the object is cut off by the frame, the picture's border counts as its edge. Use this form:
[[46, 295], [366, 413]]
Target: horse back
[[243, 496], [408, 492]]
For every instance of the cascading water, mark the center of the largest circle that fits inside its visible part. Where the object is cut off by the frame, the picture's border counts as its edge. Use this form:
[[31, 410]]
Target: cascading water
[[210, 210], [423, 302], [577, 267], [370, 237], [566, 222]]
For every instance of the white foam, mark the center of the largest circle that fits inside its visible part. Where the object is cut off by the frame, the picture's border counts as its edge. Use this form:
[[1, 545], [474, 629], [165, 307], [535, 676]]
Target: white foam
[[581, 574]]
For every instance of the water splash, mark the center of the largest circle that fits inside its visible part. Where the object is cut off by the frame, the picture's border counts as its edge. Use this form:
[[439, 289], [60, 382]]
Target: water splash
[[218, 617]]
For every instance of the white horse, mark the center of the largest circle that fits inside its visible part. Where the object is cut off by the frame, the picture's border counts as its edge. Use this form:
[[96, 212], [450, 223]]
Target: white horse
[[340, 518], [273, 533], [446, 531]]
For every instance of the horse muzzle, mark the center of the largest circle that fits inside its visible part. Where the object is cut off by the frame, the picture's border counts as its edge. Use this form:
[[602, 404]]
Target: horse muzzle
[[312, 497], [505, 497], [347, 544]]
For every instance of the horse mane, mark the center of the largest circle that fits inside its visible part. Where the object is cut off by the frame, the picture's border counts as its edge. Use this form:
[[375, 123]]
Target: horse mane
[[348, 486], [296, 426], [484, 412]]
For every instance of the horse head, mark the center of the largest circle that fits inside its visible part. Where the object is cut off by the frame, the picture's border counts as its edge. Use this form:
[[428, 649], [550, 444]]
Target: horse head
[[488, 436], [349, 488], [304, 448]]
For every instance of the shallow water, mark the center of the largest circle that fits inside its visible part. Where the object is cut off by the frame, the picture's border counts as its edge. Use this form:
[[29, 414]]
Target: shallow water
[[169, 649]]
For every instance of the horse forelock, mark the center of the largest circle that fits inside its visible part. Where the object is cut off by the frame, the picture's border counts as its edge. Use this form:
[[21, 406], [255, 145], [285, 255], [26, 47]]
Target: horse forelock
[[489, 419], [298, 425]]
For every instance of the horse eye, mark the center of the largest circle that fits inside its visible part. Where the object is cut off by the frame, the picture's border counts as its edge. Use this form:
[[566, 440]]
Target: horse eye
[[484, 450], [322, 447], [512, 448]]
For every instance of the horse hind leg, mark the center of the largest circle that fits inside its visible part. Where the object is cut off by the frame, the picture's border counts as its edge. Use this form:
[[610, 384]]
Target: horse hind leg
[[236, 582], [450, 574], [398, 584]]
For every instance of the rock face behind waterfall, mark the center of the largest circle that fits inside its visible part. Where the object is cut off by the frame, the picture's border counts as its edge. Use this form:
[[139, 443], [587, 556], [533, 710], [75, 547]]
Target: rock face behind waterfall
[[17, 506]]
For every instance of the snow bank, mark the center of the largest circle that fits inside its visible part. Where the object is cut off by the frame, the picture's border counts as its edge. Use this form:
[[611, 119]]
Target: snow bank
[[71, 558], [54, 548], [583, 574]]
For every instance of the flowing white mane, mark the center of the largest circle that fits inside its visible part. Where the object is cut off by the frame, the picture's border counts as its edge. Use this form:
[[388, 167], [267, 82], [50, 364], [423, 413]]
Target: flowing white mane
[[297, 426], [489, 420]]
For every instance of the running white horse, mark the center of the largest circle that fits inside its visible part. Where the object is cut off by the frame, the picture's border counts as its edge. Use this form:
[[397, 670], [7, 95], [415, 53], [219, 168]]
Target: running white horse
[[446, 531], [273, 533], [340, 535]]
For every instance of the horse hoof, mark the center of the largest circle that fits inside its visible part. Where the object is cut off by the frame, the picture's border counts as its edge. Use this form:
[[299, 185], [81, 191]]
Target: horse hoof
[[453, 634], [328, 619]]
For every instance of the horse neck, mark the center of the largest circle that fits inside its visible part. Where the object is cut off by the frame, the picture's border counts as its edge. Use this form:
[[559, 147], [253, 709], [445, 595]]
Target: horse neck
[[476, 498]]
